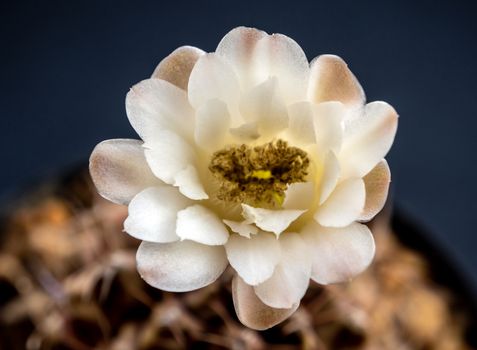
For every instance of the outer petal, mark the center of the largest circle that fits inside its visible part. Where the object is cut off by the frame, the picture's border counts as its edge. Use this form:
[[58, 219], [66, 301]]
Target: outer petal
[[180, 266], [176, 67], [153, 213], [344, 205], [237, 47], [154, 105], [252, 312], [331, 80], [263, 106], [289, 282], [338, 254], [368, 139], [278, 55], [301, 125], [253, 258], [119, 170], [213, 78], [199, 224], [377, 187], [275, 221], [328, 117], [212, 122], [168, 154]]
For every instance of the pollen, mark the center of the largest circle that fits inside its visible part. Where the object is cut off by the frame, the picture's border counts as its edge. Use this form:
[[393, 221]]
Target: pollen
[[258, 175]]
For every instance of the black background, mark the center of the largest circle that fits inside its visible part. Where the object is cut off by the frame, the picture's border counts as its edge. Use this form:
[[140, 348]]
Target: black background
[[65, 67]]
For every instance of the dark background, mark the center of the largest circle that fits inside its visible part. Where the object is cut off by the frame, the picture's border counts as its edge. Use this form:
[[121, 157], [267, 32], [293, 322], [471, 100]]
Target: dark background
[[65, 67]]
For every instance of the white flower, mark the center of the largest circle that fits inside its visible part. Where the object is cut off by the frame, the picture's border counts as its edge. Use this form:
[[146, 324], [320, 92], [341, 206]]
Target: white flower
[[255, 158]]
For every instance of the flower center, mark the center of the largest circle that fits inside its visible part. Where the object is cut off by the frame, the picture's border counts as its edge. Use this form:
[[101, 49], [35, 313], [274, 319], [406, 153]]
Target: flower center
[[258, 176]]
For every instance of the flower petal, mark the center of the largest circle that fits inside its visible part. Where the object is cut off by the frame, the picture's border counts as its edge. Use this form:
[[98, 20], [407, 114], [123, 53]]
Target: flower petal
[[246, 132], [279, 56], [252, 312], [168, 154], [212, 121], [188, 182], [290, 280], [237, 47], [180, 266], [263, 106], [153, 105], [331, 80], [338, 254], [270, 220], [119, 170], [243, 228], [377, 187], [329, 177], [213, 78], [368, 139], [253, 258], [176, 67], [328, 117], [201, 225], [344, 205], [153, 214], [301, 127], [299, 195]]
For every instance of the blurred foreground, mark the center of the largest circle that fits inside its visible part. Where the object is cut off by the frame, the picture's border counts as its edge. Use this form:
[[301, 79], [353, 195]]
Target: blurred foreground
[[68, 281]]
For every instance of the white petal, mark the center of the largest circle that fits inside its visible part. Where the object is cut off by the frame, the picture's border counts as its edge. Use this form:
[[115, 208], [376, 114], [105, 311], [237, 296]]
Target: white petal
[[279, 56], [189, 183], [168, 154], [301, 127], [368, 139], [119, 170], [212, 122], [338, 254], [328, 117], [246, 132], [299, 195], [176, 67], [329, 177], [252, 312], [275, 221], [153, 105], [243, 228], [289, 282], [237, 47], [331, 80], [253, 258], [263, 106], [344, 205], [180, 266], [153, 214], [200, 224], [213, 78], [377, 187]]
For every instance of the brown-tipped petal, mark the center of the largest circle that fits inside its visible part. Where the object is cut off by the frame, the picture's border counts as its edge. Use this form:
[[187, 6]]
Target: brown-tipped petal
[[252, 312], [119, 170], [237, 47], [180, 266], [176, 67], [377, 186], [331, 80]]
